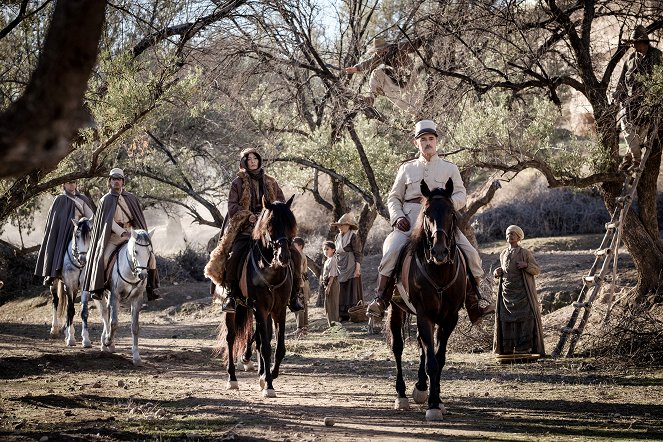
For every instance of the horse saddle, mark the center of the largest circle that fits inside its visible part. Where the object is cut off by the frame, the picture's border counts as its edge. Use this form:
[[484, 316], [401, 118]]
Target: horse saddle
[[108, 270], [402, 296]]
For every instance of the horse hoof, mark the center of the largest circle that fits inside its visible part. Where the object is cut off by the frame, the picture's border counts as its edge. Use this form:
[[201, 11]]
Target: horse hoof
[[401, 403], [249, 366], [419, 396], [87, 344], [268, 392], [54, 334], [434, 414], [232, 385], [138, 362], [71, 342]]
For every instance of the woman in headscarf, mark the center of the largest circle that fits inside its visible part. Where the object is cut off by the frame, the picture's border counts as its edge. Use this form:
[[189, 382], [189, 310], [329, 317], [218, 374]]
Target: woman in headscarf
[[518, 328], [244, 207], [349, 256]]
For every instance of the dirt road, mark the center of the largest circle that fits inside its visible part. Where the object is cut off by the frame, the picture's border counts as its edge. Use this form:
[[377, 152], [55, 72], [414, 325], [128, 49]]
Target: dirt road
[[69, 393]]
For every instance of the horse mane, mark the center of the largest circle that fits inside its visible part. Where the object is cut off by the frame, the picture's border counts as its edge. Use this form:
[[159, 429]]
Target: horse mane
[[86, 227], [279, 215], [436, 195], [143, 235]]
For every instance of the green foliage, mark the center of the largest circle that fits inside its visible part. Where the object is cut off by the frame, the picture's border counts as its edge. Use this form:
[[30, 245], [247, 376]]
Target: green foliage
[[653, 87], [342, 157], [498, 130]]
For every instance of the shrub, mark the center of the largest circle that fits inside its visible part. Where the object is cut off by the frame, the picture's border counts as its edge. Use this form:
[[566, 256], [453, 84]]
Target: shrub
[[545, 213]]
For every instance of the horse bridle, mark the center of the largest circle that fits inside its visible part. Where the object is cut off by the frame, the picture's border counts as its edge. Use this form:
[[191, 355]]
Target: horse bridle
[[274, 244], [133, 262], [75, 260], [430, 236]]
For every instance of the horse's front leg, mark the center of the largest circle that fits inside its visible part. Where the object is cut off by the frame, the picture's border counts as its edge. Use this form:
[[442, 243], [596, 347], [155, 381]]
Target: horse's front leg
[[136, 304], [425, 328], [85, 334], [261, 364], [420, 391], [102, 306], [280, 342], [246, 359], [230, 345], [443, 333], [263, 329], [56, 328], [396, 329], [71, 310]]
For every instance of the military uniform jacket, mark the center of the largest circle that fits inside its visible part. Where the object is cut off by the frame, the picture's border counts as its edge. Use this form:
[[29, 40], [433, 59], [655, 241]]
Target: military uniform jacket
[[630, 87], [101, 231], [59, 229], [406, 189]]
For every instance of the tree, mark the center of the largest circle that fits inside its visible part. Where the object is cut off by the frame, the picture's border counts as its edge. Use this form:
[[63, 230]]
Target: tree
[[553, 48]]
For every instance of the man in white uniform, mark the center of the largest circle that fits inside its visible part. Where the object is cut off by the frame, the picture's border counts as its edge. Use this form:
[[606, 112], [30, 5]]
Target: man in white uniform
[[404, 204]]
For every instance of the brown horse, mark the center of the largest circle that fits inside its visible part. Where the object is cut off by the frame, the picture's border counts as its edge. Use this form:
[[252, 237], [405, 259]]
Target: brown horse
[[268, 277], [434, 278]]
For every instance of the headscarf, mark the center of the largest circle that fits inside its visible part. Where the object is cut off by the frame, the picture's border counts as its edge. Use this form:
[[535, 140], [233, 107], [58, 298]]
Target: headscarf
[[517, 230], [243, 157]]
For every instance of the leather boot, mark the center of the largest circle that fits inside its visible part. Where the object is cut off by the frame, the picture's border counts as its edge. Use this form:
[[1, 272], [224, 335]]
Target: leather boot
[[230, 304], [152, 294], [476, 306], [295, 304], [382, 297]]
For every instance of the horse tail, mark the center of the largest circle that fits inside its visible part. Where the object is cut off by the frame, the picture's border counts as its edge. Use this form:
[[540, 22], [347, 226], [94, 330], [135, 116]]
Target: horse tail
[[62, 299], [243, 331], [241, 327]]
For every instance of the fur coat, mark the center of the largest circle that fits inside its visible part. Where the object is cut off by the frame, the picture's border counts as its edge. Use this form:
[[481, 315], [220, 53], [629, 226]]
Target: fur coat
[[243, 201]]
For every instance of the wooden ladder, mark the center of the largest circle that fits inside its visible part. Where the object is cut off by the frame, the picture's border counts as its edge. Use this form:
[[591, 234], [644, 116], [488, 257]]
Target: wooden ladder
[[607, 252]]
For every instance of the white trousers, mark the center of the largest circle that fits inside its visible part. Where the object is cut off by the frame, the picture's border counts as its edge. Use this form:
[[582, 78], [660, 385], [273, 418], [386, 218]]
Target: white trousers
[[403, 98], [397, 239], [635, 137]]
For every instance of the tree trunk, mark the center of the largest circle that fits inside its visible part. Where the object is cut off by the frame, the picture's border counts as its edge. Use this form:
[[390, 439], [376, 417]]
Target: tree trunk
[[36, 130], [366, 220], [640, 232]]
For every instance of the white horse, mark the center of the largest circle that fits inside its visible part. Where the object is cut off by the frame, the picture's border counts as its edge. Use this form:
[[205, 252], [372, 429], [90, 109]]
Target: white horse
[[65, 288], [127, 283]]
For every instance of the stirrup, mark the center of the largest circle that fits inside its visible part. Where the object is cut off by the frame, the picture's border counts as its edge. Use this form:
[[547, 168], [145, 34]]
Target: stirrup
[[376, 308], [229, 305]]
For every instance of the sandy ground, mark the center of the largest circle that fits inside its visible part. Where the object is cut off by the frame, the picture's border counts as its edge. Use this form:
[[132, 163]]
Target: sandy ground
[[52, 391]]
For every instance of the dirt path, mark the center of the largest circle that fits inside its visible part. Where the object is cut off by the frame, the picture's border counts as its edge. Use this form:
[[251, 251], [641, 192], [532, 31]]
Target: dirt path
[[68, 393]]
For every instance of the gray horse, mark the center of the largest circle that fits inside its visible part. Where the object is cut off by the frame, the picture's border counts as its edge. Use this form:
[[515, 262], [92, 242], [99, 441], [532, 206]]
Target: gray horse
[[127, 284], [66, 287]]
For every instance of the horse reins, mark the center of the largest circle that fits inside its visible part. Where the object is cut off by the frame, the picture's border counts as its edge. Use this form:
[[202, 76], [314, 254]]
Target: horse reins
[[257, 269], [437, 288], [74, 258]]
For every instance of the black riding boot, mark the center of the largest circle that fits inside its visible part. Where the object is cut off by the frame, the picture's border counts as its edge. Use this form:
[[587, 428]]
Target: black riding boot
[[476, 306], [296, 303], [229, 304], [151, 291], [382, 297]]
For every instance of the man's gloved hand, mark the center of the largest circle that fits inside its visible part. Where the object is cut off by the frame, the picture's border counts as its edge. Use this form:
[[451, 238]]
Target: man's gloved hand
[[403, 224]]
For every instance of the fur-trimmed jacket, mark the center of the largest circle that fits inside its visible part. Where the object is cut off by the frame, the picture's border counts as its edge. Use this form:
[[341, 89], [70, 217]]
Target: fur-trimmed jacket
[[244, 200]]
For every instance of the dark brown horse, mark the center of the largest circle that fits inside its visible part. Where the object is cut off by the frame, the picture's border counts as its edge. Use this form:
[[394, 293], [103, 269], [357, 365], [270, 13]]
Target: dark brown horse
[[266, 281], [434, 278]]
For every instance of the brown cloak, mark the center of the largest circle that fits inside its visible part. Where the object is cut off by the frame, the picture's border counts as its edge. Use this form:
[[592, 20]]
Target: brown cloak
[[529, 272], [101, 231], [57, 235]]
